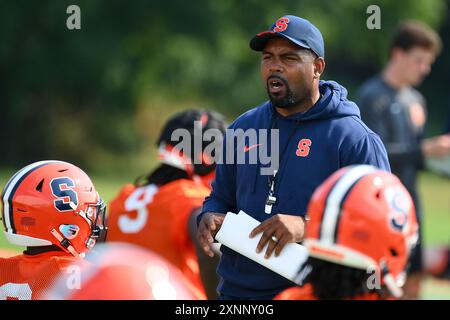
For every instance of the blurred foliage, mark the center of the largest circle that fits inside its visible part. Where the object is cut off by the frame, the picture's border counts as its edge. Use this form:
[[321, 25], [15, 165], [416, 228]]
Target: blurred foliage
[[98, 96]]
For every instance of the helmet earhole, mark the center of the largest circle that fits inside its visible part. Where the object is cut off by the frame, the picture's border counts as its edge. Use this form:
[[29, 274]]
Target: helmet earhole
[[39, 186], [393, 252], [378, 195]]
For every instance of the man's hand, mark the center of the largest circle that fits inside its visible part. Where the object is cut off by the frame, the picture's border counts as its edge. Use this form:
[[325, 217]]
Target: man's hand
[[207, 229], [437, 147], [278, 231]]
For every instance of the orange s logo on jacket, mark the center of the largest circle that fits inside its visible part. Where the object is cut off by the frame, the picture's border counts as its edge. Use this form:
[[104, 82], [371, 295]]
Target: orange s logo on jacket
[[303, 147]]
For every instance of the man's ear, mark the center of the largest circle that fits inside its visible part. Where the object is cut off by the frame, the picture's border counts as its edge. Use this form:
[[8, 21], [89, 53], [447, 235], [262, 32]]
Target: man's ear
[[397, 53], [319, 67]]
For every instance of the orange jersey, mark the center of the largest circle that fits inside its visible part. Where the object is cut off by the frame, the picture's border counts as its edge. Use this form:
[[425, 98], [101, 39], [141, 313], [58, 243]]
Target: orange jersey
[[157, 219], [28, 277], [306, 293]]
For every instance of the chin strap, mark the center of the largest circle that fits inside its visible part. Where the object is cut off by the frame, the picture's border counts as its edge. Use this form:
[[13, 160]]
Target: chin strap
[[390, 282], [66, 244]]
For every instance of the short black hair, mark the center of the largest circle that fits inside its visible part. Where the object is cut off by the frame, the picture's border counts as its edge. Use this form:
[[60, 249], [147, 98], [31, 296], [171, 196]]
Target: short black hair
[[162, 175]]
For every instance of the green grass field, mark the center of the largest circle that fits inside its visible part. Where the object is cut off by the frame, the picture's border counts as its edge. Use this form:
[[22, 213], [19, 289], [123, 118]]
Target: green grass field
[[435, 201]]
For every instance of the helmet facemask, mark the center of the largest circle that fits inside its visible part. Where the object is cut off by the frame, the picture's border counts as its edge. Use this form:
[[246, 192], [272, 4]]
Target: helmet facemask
[[96, 215]]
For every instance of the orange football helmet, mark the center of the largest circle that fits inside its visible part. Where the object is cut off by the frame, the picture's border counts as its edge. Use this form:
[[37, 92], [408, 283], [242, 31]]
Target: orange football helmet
[[53, 202], [363, 217], [119, 271]]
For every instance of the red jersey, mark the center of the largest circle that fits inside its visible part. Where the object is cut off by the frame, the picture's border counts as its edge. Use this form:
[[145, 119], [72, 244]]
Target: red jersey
[[28, 277], [157, 218], [306, 293]]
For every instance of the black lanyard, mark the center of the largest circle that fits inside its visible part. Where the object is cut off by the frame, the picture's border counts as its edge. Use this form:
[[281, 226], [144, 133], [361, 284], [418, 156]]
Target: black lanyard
[[271, 198]]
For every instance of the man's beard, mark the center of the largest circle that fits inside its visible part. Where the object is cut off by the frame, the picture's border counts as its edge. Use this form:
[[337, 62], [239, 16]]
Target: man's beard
[[287, 101]]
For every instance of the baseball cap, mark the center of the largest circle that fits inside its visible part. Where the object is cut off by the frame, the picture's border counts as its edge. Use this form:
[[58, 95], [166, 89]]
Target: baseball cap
[[298, 30]]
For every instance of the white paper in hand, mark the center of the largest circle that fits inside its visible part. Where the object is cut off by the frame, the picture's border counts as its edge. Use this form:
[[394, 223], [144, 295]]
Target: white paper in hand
[[234, 233]]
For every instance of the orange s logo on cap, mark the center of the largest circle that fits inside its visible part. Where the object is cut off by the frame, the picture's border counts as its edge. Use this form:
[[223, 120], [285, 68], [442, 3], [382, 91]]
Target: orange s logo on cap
[[281, 24]]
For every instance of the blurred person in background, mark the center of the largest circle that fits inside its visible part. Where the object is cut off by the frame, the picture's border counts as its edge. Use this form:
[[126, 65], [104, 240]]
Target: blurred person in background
[[396, 111], [159, 210], [441, 166], [53, 209], [447, 124], [361, 231]]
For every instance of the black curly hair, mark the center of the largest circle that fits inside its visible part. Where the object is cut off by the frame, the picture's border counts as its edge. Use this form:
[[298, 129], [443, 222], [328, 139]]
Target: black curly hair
[[184, 120], [333, 281]]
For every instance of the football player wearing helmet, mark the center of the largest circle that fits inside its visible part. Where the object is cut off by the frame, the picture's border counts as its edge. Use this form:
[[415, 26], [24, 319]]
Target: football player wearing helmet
[[361, 231], [159, 210], [119, 271], [53, 209]]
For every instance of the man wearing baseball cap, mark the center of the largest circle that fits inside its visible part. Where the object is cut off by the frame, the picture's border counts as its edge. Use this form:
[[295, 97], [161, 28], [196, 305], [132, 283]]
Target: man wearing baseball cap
[[320, 131], [299, 31]]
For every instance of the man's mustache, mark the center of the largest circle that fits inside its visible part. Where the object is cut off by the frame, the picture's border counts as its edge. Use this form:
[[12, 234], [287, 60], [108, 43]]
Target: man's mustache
[[278, 77]]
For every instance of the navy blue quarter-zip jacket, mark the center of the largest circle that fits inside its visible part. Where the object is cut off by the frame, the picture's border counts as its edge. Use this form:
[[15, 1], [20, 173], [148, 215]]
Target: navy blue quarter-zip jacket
[[336, 137]]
